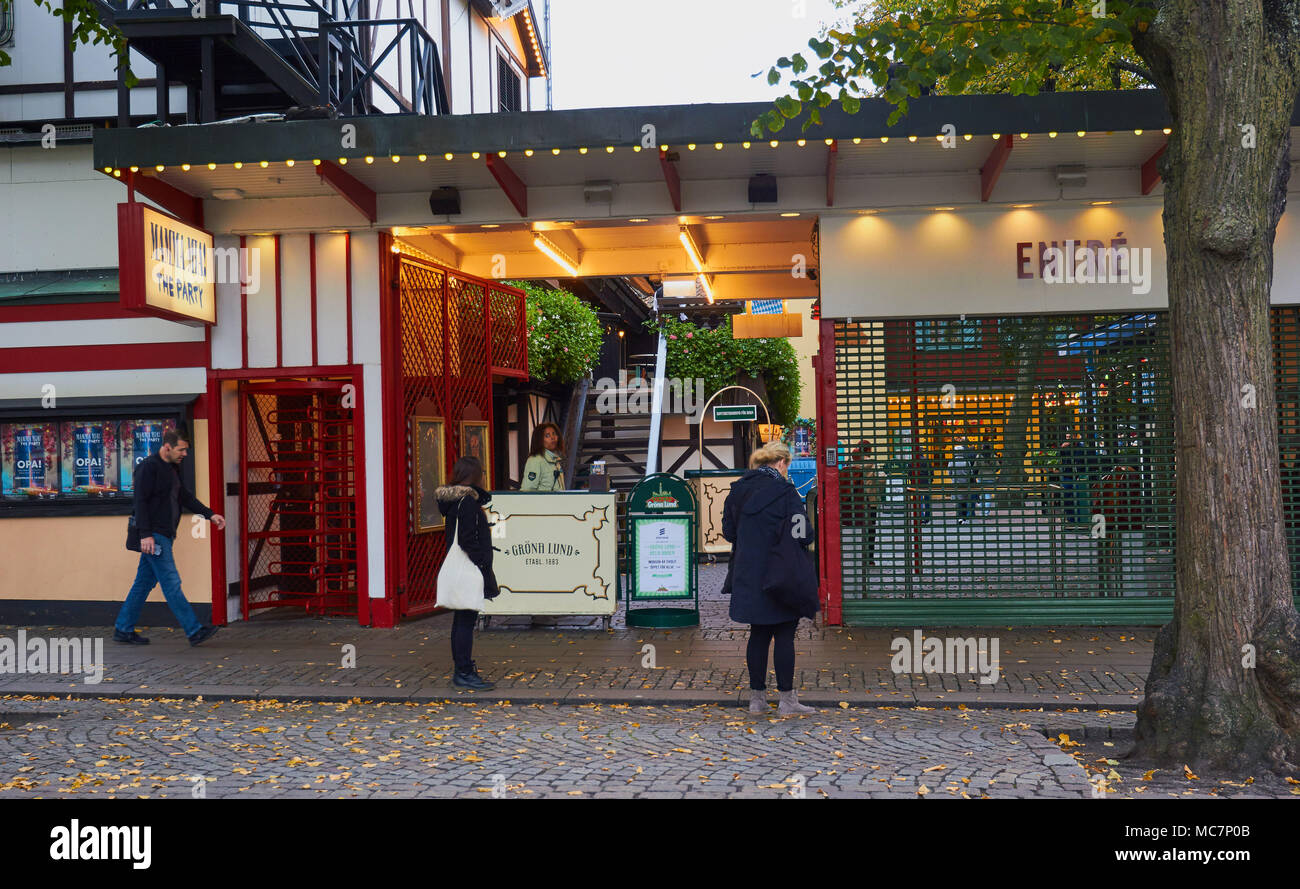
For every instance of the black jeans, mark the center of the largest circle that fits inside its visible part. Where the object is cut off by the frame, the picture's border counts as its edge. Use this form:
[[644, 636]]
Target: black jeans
[[462, 640], [760, 637]]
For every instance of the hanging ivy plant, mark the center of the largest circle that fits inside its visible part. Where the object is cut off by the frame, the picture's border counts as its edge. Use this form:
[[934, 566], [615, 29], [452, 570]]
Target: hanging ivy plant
[[563, 333], [719, 359]]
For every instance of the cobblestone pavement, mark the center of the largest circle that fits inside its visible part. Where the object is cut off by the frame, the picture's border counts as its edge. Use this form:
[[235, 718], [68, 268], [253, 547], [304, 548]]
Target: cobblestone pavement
[[303, 658], [126, 748], [166, 748]]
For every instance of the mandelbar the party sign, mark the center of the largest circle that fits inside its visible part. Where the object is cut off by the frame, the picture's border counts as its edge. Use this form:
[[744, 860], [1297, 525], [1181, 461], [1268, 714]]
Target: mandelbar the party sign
[[165, 266]]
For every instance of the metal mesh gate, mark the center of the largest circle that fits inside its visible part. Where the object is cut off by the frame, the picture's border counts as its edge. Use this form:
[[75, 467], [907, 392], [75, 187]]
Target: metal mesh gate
[[1005, 457], [298, 498], [1286, 370], [447, 321]]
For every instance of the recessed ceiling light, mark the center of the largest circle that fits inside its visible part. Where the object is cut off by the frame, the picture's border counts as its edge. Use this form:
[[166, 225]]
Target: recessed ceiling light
[[639, 219], [790, 214], [715, 216], [1101, 203], [1023, 206], [945, 208], [490, 225]]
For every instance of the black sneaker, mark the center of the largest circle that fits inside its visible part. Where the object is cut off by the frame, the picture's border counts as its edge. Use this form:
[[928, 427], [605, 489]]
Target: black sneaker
[[203, 634], [131, 638]]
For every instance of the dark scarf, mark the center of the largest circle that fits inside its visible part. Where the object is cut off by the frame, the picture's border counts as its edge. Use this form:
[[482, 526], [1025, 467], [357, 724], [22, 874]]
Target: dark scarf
[[772, 471]]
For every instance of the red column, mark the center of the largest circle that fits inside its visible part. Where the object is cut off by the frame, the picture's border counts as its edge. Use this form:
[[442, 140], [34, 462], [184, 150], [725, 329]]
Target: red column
[[828, 478]]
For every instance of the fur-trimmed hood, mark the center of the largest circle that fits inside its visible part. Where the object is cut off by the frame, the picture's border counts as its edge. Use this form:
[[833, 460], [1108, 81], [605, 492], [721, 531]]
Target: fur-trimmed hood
[[449, 495]]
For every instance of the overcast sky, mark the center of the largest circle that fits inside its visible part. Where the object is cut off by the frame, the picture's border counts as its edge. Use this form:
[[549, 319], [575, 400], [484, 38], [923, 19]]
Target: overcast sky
[[670, 52]]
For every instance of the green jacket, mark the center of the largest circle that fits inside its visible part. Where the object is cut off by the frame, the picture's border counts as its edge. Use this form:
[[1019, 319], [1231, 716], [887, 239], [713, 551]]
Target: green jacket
[[543, 473]]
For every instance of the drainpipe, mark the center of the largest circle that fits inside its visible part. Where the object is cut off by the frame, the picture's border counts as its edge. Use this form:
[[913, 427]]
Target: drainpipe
[[657, 396]]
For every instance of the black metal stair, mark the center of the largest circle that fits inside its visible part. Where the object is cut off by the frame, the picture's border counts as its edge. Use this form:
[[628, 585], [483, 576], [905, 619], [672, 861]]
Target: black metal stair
[[271, 55]]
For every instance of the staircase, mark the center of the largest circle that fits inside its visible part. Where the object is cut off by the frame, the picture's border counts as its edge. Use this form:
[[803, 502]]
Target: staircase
[[269, 56], [622, 440]]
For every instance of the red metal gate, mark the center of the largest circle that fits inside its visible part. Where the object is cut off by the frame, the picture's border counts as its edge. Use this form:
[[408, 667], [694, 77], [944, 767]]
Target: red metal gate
[[453, 334], [298, 496]]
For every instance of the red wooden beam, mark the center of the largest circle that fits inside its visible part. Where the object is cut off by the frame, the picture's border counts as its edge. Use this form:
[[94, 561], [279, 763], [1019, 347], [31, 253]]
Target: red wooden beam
[[351, 189], [992, 168], [1150, 173], [509, 181], [181, 204], [671, 179], [832, 154]]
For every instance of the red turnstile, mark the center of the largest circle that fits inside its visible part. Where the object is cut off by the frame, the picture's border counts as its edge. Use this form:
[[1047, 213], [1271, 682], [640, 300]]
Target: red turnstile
[[298, 496]]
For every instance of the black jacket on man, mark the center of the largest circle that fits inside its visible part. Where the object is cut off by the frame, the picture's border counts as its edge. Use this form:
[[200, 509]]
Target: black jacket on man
[[463, 507], [756, 517], [159, 496]]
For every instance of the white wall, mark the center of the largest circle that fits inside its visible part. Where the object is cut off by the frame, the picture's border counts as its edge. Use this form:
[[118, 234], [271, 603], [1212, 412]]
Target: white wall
[[59, 213], [912, 263]]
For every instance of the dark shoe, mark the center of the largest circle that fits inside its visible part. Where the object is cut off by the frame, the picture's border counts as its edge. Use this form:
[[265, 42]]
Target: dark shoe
[[131, 638], [203, 634], [471, 680]]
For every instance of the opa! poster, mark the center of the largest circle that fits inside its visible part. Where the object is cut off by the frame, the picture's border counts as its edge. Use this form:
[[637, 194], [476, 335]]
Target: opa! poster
[[89, 458], [139, 439], [28, 460]]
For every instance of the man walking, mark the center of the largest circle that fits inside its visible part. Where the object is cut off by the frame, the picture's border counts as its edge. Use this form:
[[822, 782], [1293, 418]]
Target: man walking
[[159, 496]]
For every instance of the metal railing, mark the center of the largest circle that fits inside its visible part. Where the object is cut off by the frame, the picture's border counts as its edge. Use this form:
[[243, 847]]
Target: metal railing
[[339, 54]]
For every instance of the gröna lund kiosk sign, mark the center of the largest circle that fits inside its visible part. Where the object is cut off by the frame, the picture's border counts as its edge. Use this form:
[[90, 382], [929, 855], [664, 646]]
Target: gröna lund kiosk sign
[[166, 267]]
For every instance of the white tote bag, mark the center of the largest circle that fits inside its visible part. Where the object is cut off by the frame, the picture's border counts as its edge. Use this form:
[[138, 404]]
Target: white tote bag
[[460, 583]]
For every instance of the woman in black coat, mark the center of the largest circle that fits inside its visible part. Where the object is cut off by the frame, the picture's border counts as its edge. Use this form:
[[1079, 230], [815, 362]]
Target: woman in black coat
[[763, 505], [463, 504]]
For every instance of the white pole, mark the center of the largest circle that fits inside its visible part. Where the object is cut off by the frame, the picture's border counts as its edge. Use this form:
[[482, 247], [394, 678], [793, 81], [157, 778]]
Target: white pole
[[656, 397]]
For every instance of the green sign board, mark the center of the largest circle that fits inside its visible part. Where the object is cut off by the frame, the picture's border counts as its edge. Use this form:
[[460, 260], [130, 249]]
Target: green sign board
[[661, 529], [663, 557], [734, 413]]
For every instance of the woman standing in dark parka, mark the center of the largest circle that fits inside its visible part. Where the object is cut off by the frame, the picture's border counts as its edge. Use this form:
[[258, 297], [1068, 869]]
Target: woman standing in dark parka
[[463, 502], [763, 505]]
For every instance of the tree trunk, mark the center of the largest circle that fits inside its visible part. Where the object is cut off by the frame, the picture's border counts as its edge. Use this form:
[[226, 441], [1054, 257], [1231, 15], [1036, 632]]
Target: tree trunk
[[1222, 64]]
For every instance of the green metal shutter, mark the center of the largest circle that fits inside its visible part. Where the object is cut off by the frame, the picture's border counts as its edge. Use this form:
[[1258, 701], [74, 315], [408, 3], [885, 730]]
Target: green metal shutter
[[972, 415]]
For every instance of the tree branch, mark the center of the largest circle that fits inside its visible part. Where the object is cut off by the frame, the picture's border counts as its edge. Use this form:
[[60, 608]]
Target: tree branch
[[1135, 69]]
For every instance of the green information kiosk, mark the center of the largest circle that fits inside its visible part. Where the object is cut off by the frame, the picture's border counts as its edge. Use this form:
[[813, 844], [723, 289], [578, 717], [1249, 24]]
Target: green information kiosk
[[661, 552]]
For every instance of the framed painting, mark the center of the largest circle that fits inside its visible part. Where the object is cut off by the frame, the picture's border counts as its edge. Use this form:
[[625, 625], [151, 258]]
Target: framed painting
[[475, 442], [429, 469]]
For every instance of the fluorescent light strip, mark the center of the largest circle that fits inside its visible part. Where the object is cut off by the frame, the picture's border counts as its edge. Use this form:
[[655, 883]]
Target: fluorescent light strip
[[708, 288], [691, 250], [554, 253]]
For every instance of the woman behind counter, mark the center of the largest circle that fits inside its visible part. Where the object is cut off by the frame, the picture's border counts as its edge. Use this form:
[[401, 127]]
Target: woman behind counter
[[542, 471]]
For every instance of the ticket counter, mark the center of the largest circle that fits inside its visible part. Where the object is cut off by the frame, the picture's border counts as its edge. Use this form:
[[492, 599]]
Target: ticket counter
[[556, 553]]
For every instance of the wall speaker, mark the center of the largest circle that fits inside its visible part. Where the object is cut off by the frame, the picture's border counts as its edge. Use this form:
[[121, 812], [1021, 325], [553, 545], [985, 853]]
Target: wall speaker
[[762, 189], [444, 201]]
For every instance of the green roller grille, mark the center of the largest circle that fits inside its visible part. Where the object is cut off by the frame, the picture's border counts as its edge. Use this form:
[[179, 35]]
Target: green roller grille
[[1019, 458]]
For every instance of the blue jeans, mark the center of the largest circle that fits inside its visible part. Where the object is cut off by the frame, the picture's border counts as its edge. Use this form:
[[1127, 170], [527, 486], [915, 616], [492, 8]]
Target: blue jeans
[[159, 568]]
